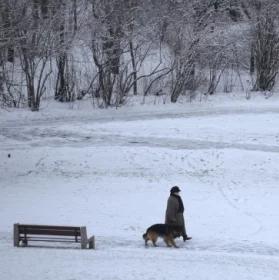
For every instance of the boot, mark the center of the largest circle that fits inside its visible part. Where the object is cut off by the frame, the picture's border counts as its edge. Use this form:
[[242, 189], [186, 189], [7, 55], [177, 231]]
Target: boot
[[186, 237]]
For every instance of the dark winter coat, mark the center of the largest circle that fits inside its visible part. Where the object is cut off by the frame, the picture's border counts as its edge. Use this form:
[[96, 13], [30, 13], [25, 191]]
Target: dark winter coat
[[174, 212]]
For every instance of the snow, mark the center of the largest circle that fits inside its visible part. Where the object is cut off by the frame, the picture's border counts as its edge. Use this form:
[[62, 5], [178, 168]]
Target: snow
[[111, 170]]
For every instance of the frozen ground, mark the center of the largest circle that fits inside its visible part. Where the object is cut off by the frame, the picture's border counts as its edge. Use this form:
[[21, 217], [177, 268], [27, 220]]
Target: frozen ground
[[111, 170]]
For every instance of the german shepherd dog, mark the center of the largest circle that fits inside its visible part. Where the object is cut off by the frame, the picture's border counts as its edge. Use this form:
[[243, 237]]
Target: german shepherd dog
[[167, 232]]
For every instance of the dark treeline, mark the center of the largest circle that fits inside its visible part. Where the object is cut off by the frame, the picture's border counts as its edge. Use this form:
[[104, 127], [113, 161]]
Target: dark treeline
[[110, 49]]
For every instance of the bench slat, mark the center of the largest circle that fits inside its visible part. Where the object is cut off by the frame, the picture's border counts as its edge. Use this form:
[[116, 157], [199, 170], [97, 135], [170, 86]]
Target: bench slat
[[34, 238], [21, 226], [49, 232]]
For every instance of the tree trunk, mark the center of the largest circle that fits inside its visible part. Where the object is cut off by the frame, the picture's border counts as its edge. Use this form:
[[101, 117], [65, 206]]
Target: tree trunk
[[62, 93], [135, 85], [252, 59]]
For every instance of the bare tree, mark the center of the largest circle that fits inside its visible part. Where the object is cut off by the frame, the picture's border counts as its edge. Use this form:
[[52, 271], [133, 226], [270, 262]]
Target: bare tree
[[64, 89], [266, 52], [35, 45]]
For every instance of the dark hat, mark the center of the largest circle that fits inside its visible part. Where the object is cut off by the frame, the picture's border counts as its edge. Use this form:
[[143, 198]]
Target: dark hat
[[175, 189]]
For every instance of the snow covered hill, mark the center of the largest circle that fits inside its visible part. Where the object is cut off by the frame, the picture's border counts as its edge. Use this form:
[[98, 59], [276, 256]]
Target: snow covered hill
[[111, 170]]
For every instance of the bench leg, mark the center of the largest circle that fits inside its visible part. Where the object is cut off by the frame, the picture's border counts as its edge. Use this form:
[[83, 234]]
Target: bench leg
[[16, 235], [91, 242], [24, 243], [83, 237]]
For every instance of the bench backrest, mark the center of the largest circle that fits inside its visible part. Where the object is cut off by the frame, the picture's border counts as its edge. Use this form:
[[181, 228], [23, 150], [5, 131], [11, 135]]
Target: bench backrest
[[49, 230]]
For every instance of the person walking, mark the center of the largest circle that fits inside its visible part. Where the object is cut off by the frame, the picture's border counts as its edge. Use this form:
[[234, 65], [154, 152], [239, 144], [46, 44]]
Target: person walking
[[175, 211]]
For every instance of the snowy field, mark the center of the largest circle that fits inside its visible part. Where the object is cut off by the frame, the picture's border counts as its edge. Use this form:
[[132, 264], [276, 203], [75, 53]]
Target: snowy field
[[111, 170]]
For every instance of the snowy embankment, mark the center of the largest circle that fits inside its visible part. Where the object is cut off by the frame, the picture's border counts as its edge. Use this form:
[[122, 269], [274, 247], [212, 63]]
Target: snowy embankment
[[111, 171]]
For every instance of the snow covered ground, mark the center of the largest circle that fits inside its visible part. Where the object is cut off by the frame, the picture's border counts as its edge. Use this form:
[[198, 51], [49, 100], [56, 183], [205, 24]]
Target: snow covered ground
[[111, 170]]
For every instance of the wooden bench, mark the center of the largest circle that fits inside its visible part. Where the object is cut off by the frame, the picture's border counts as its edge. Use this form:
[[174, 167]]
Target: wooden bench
[[45, 233]]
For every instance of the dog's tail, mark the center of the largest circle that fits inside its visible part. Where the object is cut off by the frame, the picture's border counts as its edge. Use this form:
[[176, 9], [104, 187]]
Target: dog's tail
[[144, 236]]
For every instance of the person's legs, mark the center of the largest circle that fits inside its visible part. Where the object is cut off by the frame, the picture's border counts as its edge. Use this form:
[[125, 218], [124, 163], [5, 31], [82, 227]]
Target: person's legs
[[182, 223]]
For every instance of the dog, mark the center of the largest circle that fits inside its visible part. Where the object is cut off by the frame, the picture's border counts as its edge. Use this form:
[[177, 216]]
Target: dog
[[167, 232]]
